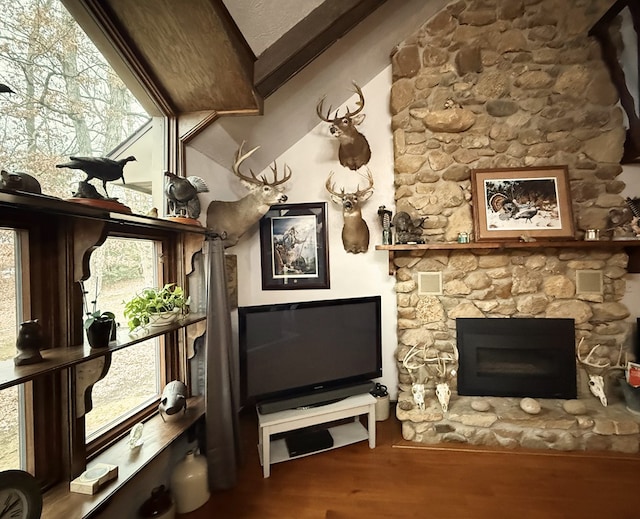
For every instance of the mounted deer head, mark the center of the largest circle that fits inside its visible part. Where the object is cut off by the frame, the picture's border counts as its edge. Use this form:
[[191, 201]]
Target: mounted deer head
[[354, 151], [355, 233], [236, 217]]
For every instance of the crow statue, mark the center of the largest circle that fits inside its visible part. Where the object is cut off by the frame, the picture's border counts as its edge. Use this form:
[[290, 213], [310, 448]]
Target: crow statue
[[101, 168], [182, 194]]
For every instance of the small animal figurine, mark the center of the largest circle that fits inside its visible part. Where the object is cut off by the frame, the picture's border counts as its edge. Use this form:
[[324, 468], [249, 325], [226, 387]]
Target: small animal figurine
[[19, 182], [29, 343], [101, 168], [173, 399], [407, 230], [182, 194]]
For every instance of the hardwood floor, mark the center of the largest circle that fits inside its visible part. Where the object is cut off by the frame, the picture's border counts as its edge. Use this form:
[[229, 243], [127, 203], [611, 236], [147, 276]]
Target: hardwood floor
[[443, 482]]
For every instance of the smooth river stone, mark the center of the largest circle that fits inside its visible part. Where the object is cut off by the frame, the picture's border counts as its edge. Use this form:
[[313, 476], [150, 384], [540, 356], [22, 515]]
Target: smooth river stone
[[574, 407], [530, 405], [480, 405]]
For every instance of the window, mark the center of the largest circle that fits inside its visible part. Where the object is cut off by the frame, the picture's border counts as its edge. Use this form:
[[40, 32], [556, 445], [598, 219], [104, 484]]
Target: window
[[69, 102], [11, 399], [121, 268]]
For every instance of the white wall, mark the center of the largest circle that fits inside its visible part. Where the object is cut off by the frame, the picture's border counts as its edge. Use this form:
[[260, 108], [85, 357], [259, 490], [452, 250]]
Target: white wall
[[311, 160]]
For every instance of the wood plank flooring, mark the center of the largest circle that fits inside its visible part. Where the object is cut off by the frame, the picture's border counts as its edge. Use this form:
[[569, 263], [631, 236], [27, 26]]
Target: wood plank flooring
[[446, 482]]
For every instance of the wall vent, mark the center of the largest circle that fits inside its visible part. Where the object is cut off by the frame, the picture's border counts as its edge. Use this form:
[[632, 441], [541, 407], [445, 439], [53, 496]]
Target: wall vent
[[430, 283], [589, 282]]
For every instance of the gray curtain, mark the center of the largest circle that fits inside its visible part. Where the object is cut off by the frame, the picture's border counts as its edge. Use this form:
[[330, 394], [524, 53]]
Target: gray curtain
[[221, 398]]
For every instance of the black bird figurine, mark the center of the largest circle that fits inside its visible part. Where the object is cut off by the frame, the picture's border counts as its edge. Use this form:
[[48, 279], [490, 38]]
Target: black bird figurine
[[102, 168], [182, 194], [4, 89]]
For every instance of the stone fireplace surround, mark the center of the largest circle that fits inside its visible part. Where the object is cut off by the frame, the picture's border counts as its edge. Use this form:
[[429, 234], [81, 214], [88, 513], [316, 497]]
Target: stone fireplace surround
[[510, 83]]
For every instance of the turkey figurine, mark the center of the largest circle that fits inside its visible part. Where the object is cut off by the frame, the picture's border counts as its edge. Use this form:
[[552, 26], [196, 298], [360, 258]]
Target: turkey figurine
[[182, 195], [101, 168]]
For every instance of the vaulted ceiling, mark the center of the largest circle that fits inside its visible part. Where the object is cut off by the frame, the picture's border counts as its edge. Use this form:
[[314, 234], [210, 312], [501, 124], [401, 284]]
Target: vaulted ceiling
[[197, 55]]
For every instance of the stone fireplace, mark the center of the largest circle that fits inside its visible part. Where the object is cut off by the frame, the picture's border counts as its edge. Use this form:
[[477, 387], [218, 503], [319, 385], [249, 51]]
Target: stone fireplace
[[514, 83]]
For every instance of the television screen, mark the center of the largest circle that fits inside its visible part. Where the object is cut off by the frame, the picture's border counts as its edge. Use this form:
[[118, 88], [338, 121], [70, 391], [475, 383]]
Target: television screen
[[291, 349]]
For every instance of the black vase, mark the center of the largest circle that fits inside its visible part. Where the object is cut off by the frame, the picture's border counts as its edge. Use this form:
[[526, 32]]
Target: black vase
[[99, 333]]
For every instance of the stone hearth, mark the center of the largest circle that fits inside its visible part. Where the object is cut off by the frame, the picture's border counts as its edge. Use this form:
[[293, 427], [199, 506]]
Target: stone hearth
[[504, 424]]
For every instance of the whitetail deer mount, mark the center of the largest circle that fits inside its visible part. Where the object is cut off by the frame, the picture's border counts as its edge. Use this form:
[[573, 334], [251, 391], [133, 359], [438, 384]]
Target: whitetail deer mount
[[353, 151], [234, 218], [355, 232]]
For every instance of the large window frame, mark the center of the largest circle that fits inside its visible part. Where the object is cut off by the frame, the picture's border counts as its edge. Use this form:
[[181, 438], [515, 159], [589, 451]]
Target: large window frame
[[56, 447]]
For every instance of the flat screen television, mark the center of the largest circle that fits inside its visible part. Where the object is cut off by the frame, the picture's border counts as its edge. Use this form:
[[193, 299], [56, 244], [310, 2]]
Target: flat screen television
[[308, 353]]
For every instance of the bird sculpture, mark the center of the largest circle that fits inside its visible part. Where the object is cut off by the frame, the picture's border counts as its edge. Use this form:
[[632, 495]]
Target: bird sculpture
[[101, 168], [182, 194]]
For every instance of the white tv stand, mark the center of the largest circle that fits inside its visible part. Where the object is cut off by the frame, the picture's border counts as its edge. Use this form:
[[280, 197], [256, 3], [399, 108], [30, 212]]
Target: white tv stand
[[275, 451]]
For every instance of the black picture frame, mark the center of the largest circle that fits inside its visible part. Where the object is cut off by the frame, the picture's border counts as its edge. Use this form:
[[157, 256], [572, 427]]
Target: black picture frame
[[294, 248]]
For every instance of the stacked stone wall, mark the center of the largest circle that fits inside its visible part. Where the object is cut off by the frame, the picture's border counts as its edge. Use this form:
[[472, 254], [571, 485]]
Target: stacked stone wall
[[504, 84]]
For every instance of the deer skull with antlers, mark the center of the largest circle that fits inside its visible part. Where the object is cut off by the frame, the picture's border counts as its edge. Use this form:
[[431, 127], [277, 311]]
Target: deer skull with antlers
[[355, 232], [234, 218], [598, 370], [354, 151]]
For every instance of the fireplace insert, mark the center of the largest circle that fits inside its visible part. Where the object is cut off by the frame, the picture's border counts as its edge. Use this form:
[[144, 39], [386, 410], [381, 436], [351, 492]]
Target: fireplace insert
[[516, 357]]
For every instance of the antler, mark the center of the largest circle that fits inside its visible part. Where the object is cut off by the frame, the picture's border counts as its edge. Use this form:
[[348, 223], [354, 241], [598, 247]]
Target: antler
[[359, 103], [606, 366], [349, 113], [361, 192], [274, 170], [330, 185], [358, 193], [240, 158]]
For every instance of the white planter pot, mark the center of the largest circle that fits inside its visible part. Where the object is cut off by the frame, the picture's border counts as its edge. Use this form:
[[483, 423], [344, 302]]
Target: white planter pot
[[164, 318]]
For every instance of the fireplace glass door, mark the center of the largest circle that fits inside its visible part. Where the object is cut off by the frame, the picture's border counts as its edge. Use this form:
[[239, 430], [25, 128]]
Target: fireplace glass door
[[516, 357]]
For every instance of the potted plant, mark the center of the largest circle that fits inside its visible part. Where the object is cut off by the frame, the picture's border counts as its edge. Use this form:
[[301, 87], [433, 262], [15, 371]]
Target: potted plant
[[156, 306], [100, 327]]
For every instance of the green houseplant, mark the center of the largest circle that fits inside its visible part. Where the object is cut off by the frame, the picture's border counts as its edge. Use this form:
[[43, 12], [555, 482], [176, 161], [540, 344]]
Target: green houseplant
[[152, 304]]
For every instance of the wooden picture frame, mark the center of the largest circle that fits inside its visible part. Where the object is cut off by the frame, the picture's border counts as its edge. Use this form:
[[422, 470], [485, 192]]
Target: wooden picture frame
[[509, 203], [294, 247]]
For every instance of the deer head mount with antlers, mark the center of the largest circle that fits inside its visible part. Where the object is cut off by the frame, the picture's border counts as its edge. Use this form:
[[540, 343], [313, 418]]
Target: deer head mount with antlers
[[355, 232], [234, 218], [353, 151]]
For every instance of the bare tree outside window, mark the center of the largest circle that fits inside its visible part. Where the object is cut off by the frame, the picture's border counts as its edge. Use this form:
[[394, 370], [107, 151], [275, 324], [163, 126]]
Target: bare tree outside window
[[67, 100]]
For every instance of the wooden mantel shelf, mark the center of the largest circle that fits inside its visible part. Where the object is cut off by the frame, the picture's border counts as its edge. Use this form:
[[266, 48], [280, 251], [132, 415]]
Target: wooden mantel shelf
[[631, 247]]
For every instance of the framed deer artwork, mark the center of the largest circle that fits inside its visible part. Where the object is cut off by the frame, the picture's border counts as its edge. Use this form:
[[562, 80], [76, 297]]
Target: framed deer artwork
[[294, 247], [517, 203]]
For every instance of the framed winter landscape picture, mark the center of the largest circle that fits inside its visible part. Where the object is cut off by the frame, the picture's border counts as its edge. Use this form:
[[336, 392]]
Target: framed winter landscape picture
[[520, 203], [293, 243]]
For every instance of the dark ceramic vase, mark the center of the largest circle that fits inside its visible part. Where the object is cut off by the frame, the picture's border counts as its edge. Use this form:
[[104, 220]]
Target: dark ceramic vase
[[99, 333]]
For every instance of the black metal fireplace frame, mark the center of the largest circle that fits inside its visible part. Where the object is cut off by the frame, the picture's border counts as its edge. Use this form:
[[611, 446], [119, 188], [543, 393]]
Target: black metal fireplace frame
[[552, 341]]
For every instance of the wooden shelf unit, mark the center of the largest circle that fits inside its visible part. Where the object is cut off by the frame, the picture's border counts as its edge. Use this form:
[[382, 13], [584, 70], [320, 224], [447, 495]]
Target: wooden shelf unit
[[60, 236], [59, 358], [631, 247]]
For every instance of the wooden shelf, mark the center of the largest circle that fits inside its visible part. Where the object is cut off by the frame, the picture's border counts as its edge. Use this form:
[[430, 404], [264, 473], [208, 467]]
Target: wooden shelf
[[56, 359], [12, 200], [60, 503], [631, 247]]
